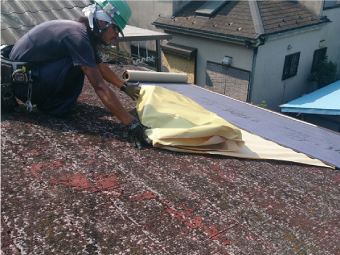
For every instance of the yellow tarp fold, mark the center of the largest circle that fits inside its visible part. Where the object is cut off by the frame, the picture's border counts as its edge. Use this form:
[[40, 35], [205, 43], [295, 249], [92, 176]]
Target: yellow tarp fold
[[180, 124], [178, 121]]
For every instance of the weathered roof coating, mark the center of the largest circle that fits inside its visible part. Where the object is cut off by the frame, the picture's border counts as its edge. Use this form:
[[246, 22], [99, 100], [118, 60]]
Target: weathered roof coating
[[76, 186]]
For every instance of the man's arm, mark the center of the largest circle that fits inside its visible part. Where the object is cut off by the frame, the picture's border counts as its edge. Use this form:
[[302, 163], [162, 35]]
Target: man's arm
[[131, 89], [136, 130], [106, 95], [109, 75]]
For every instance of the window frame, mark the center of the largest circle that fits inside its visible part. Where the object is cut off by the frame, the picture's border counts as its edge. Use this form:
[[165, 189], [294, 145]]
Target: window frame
[[291, 65]]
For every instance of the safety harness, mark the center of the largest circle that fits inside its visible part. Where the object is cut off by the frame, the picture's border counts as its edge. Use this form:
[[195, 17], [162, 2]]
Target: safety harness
[[13, 73]]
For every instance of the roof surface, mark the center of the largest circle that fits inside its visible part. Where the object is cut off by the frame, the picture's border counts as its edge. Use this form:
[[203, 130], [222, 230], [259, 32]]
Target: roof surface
[[322, 101], [18, 17], [240, 19], [76, 186], [279, 16]]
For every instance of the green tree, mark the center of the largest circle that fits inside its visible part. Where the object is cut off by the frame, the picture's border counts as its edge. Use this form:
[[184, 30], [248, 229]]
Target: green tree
[[325, 73]]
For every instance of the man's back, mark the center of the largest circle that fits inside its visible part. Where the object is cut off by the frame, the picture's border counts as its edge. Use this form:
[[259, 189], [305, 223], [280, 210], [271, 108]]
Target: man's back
[[54, 40]]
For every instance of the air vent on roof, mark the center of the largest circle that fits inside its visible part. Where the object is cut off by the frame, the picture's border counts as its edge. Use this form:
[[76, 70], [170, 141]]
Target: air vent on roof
[[209, 8]]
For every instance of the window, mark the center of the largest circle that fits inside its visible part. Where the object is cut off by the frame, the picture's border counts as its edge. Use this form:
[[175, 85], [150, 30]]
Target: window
[[319, 55], [209, 8], [143, 55], [329, 4], [291, 65]]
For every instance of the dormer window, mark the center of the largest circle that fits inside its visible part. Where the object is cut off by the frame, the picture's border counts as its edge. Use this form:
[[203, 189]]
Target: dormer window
[[209, 8]]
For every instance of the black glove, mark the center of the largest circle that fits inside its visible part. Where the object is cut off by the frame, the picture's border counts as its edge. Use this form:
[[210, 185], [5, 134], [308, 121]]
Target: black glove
[[136, 132], [131, 89]]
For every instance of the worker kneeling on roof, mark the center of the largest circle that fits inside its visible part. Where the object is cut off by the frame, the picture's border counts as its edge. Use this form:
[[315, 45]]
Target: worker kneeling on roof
[[63, 51]]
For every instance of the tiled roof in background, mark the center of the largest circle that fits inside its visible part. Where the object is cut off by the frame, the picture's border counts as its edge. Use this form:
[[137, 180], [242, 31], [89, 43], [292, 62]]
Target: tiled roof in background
[[18, 17], [279, 16], [235, 19]]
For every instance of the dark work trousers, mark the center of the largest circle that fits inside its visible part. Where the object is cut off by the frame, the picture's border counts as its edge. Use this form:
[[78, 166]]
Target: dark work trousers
[[56, 87]]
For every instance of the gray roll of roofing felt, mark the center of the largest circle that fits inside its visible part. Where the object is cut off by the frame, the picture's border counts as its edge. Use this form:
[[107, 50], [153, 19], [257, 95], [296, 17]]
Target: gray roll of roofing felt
[[146, 76]]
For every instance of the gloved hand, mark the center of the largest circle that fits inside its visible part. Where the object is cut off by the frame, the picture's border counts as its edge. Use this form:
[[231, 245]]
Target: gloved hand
[[136, 132], [131, 89]]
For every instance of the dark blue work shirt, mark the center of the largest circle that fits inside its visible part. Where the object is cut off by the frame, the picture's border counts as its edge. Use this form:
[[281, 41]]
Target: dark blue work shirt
[[55, 40]]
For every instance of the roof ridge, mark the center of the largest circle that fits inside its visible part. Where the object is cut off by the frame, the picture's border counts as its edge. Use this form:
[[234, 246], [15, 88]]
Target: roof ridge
[[256, 16]]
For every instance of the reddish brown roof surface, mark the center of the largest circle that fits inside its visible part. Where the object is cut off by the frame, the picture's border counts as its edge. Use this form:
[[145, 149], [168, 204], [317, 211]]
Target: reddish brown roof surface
[[76, 186]]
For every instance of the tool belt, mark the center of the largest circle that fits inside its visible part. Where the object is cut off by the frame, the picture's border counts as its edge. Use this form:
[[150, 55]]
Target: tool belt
[[14, 72]]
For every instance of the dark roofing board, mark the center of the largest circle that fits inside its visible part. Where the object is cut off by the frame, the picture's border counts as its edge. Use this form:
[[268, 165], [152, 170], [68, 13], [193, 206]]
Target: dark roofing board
[[18, 17], [312, 140], [235, 19]]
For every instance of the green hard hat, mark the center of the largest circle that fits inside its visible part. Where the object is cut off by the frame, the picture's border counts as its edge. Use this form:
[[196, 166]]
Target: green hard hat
[[118, 10]]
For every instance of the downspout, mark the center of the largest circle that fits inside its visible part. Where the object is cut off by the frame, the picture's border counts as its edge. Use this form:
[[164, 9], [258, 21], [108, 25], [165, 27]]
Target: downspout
[[251, 78], [259, 29]]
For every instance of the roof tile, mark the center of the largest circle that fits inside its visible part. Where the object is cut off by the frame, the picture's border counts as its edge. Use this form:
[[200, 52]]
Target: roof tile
[[18, 17], [235, 18]]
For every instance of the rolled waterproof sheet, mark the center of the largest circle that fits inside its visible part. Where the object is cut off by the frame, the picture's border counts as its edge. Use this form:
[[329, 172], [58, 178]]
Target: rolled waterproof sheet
[[180, 124], [149, 76]]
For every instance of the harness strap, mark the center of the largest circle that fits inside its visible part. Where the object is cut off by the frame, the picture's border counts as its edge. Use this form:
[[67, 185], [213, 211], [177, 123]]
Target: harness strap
[[29, 92]]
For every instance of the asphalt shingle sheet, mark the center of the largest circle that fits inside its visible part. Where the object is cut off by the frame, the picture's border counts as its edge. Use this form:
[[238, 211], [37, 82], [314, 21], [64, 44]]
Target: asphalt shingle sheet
[[301, 136], [180, 124]]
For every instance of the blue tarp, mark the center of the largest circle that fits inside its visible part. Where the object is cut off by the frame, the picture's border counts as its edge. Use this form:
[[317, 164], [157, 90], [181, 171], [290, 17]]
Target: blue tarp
[[323, 101]]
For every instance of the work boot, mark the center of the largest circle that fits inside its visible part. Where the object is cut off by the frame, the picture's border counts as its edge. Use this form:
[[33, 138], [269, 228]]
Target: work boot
[[71, 113]]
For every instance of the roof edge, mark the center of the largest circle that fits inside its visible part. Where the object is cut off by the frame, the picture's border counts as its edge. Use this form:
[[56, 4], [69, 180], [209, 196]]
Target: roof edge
[[313, 26], [221, 37]]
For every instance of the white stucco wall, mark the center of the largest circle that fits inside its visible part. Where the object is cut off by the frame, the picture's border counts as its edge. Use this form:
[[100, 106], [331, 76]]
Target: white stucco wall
[[144, 12], [268, 84], [315, 6], [214, 51]]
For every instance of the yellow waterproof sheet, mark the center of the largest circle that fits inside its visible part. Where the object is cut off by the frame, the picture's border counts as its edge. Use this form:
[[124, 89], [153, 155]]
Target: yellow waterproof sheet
[[180, 124]]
